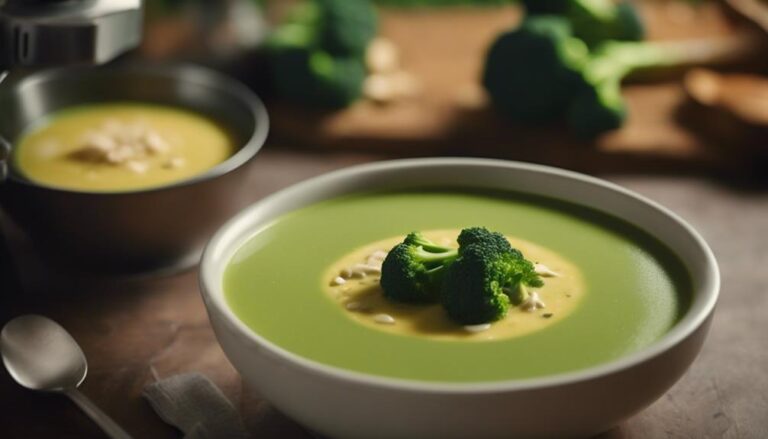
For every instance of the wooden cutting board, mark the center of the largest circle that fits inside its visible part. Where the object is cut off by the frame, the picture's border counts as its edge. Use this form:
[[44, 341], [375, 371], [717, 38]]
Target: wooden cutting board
[[444, 49]]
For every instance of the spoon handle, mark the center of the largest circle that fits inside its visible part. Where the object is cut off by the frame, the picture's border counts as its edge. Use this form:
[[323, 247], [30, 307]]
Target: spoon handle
[[106, 423]]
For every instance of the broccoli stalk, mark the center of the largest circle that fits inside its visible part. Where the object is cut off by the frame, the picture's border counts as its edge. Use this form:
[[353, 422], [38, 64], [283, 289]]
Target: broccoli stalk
[[540, 72], [599, 106], [413, 270]]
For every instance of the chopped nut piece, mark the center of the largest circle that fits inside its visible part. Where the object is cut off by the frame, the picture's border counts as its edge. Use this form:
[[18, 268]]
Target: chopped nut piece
[[137, 167], [100, 142], [382, 56], [387, 87], [478, 328], [544, 271], [379, 88], [121, 144], [338, 280], [367, 269], [354, 306], [376, 258], [379, 254], [359, 271], [174, 163], [384, 319], [532, 303], [154, 142]]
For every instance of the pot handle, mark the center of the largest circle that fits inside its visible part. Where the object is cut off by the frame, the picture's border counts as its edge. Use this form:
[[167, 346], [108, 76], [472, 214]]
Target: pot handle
[[5, 146], [5, 153]]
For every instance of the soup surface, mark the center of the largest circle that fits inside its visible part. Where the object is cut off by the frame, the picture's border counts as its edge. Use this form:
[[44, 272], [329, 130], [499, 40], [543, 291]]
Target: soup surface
[[634, 288], [121, 146]]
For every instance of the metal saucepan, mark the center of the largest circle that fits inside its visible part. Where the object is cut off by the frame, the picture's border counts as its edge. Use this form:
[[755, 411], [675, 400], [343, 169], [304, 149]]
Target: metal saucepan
[[135, 231]]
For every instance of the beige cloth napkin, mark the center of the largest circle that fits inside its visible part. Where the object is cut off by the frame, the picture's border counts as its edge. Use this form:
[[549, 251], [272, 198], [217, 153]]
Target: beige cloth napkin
[[193, 404]]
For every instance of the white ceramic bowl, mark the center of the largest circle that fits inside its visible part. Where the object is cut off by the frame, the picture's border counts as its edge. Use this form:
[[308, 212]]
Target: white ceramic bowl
[[345, 404]]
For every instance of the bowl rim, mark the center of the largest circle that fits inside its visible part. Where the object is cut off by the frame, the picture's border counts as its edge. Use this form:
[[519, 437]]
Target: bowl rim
[[213, 295], [181, 72]]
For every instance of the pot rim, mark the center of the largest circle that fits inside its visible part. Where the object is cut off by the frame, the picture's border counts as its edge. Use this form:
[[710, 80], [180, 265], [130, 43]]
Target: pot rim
[[179, 72]]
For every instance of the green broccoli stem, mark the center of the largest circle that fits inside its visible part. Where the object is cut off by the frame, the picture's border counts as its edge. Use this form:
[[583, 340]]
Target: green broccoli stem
[[431, 247], [617, 59], [517, 293], [522, 294], [436, 254]]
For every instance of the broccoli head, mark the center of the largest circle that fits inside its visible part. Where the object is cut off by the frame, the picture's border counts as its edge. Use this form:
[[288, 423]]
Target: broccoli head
[[473, 288], [486, 277], [316, 54], [477, 235], [594, 21], [629, 24], [560, 77], [413, 270], [532, 72], [316, 78], [347, 25], [597, 109]]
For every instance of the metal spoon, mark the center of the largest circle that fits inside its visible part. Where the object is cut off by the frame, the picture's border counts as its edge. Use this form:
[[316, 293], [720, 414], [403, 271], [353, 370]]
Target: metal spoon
[[41, 355]]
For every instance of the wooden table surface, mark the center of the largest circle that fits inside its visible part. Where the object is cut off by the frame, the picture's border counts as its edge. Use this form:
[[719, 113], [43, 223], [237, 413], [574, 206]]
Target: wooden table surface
[[451, 113], [134, 332]]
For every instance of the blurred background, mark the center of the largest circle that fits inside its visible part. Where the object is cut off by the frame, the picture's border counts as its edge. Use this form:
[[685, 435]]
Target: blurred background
[[417, 78]]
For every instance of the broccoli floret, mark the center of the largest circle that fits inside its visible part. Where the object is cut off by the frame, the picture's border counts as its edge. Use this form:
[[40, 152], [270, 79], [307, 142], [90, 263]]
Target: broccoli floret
[[475, 283], [629, 23], [482, 282], [594, 21], [473, 290], [316, 55], [413, 270], [521, 274], [340, 27], [531, 72], [597, 109], [317, 78], [541, 72], [476, 235], [348, 25]]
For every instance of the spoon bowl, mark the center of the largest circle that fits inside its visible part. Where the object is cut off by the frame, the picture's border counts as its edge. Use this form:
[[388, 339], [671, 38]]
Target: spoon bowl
[[41, 355]]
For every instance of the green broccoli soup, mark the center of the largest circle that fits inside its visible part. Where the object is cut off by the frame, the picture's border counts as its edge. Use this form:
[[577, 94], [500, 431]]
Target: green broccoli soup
[[310, 283]]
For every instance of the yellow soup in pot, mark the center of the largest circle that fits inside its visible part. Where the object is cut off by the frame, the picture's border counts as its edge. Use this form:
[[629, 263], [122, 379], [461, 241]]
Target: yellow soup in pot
[[121, 147]]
